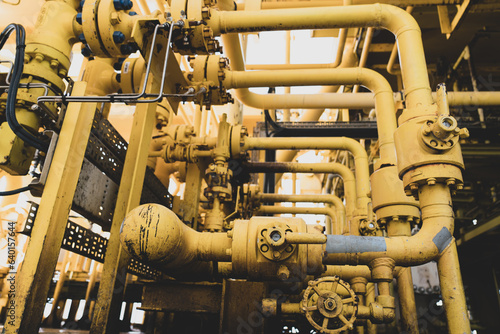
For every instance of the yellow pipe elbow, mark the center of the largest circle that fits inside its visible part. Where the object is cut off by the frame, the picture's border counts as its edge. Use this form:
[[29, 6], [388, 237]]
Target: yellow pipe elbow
[[398, 21]]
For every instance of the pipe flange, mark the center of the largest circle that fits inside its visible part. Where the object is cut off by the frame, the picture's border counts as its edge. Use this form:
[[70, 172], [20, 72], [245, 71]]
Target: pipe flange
[[209, 71], [324, 305], [271, 242], [430, 175], [441, 134]]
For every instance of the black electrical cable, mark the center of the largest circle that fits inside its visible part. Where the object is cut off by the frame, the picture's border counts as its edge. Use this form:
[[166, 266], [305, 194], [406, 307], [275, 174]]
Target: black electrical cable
[[17, 72], [15, 191]]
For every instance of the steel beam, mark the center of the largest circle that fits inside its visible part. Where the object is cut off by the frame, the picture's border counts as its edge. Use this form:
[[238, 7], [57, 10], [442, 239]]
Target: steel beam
[[114, 273], [33, 280], [480, 229]]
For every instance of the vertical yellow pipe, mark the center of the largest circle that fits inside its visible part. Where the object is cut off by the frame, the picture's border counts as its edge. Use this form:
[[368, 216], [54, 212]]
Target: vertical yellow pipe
[[394, 53], [286, 112], [452, 291], [364, 54], [370, 298], [204, 119], [407, 301]]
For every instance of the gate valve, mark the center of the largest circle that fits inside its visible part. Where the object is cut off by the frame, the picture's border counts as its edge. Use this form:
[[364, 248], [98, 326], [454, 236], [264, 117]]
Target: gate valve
[[330, 305]]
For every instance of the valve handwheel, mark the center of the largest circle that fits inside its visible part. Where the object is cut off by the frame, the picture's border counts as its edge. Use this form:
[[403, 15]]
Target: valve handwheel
[[330, 305]]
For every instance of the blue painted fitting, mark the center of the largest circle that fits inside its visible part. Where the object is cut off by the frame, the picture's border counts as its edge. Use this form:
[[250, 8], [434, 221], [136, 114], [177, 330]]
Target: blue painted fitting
[[126, 49], [118, 37], [132, 13], [81, 38], [128, 4], [123, 4], [86, 52], [79, 18]]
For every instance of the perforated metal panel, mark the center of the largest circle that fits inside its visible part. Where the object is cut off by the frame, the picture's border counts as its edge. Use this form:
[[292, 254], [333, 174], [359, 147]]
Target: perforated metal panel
[[83, 241]]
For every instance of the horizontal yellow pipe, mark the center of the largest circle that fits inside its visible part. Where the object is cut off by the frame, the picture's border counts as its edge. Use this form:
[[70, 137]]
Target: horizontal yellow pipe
[[384, 101], [399, 22], [316, 198], [305, 238], [428, 244], [326, 3], [329, 143], [269, 209], [336, 168], [359, 100], [274, 67]]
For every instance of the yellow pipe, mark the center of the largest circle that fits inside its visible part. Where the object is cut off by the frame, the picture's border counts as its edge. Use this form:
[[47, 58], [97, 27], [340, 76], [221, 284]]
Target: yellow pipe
[[305, 238], [145, 7], [269, 209], [394, 53], [323, 198], [386, 118], [346, 174], [154, 234], [371, 328], [364, 54], [326, 3], [348, 272], [335, 143], [402, 24], [428, 244], [407, 301], [452, 291], [233, 50], [473, 98]]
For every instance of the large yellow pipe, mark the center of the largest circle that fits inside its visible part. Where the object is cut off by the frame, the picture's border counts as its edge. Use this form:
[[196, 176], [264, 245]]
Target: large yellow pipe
[[384, 102], [428, 244], [399, 22], [155, 235]]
